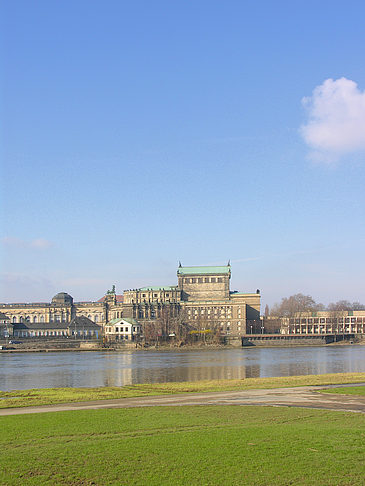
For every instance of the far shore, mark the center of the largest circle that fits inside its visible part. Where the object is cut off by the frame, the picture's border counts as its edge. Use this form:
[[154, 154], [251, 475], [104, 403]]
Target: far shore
[[28, 347]]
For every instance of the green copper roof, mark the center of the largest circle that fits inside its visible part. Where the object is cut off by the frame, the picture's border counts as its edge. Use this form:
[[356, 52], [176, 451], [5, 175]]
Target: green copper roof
[[115, 321], [223, 270], [130, 320], [168, 287]]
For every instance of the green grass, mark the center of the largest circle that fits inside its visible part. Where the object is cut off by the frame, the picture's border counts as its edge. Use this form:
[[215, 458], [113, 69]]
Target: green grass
[[47, 396], [215, 445], [353, 390]]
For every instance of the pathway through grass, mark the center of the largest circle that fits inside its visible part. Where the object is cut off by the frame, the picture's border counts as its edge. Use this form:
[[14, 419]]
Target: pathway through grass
[[48, 396]]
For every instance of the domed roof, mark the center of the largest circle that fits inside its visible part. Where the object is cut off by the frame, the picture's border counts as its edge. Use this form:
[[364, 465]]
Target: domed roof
[[62, 298]]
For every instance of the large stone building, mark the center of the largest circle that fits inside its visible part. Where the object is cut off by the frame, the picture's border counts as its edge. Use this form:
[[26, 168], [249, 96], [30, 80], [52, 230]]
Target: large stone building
[[61, 309], [202, 296]]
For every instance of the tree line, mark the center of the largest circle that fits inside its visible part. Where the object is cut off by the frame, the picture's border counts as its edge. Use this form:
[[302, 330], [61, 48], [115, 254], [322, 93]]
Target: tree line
[[299, 303]]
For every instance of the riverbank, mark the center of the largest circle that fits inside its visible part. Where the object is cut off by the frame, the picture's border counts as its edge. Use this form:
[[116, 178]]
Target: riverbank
[[48, 396], [49, 346]]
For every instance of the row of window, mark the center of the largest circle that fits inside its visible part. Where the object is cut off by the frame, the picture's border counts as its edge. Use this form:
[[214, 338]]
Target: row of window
[[84, 333], [209, 310], [123, 329], [203, 280], [328, 320], [52, 318], [210, 316], [16, 319], [322, 329], [156, 295]]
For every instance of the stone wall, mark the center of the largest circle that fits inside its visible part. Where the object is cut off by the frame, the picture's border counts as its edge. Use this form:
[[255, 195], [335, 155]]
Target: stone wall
[[284, 341]]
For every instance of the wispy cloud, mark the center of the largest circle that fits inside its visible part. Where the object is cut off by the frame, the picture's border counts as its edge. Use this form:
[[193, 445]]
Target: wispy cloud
[[248, 259], [40, 244], [336, 120], [16, 287], [84, 281]]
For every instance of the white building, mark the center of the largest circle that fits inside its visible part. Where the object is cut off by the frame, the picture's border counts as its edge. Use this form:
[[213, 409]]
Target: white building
[[123, 329]]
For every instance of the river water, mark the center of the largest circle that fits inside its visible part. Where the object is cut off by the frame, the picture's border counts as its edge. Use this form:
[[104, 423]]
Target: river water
[[88, 369]]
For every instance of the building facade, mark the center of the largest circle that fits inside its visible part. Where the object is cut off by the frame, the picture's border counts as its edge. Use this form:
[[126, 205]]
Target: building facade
[[6, 330], [61, 309], [202, 298], [123, 329], [325, 322], [78, 328]]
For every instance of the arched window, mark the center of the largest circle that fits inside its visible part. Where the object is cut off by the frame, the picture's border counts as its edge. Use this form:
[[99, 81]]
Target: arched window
[[35, 319], [14, 320], [96, 319], [42, 319]]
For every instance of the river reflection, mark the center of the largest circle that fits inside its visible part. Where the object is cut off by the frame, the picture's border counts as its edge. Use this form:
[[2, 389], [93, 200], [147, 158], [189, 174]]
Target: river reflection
[[89, 369]]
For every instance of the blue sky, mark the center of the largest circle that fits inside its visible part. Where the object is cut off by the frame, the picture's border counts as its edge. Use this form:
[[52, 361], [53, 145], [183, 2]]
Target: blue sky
[[137, 134]]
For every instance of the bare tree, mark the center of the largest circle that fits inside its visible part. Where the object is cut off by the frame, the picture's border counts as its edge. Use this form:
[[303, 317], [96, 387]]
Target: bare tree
[[206, 330], [345, 305], [170, 326], [295, 305], [179, 327], [151, 331]]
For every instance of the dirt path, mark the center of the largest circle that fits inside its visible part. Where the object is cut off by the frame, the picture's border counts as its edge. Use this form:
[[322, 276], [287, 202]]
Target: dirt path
[[306, 396]]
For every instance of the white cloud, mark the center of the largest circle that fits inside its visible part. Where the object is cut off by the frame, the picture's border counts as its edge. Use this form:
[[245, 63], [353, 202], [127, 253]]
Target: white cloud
[[37, 244], [336, 120], [41, 244]]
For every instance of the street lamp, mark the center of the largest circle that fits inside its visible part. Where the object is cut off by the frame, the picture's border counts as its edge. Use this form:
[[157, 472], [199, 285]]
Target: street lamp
[[262, 329]]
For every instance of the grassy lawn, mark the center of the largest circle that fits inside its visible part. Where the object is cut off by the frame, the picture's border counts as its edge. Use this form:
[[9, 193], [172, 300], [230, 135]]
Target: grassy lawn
[[215, 445], [353, 390], [46, 396]]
